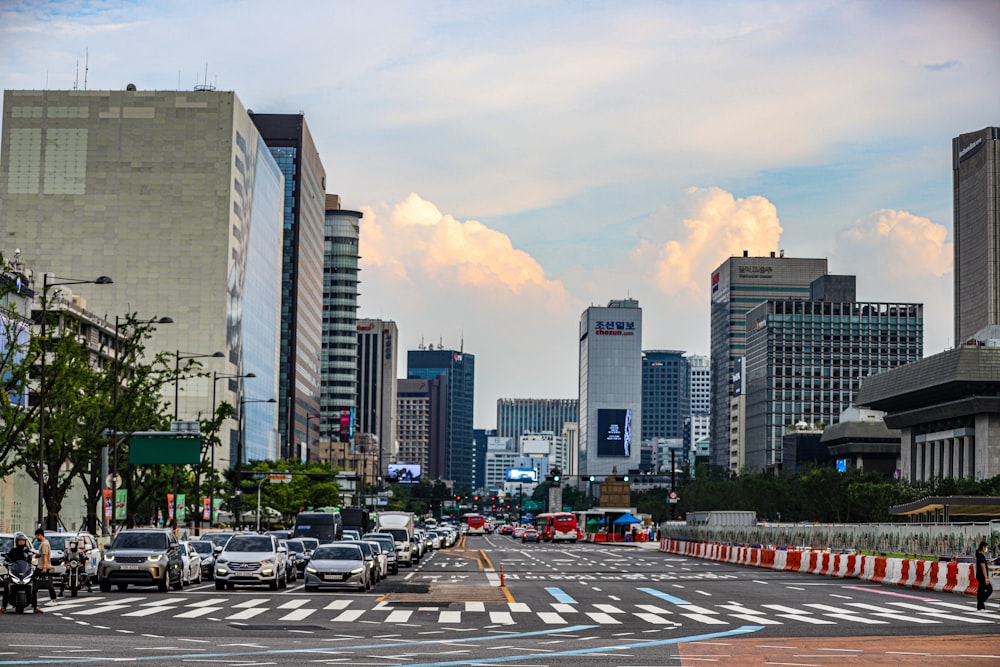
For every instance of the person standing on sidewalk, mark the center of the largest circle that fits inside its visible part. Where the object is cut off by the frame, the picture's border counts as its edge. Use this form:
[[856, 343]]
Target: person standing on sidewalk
[[45, 569], [983, 587]]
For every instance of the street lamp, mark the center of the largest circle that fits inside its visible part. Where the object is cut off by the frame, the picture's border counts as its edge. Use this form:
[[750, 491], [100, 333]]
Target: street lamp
[[211, 485], [114, 413], [178, 355], [46, 284], [238, 491]]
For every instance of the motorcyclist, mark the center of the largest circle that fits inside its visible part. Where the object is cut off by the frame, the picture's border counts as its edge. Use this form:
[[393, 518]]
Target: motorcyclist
[[21, 551], [73, 554]]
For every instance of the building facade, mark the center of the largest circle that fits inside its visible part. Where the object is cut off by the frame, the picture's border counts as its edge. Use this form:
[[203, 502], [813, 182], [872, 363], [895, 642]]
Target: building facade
[[976, 231], [422, 424], [666, 394], [739, 284], [291, 145], [339, 357], [805, 360], [175, 195], [378, 360], [459, 369], [516, 416], [610, 385]]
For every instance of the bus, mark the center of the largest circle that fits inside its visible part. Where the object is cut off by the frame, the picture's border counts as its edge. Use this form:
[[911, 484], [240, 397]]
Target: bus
[[476, 524], [556, 526]]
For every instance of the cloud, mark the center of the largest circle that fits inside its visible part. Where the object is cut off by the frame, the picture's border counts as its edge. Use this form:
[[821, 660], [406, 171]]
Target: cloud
[[896, 245], [715, 225]]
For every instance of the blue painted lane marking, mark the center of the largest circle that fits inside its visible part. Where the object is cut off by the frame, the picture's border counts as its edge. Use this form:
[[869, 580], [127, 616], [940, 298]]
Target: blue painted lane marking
[[560, 595], [663, 596]]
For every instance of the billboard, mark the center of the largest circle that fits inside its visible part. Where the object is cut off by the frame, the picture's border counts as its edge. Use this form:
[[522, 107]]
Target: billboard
[[403, 473], [614, 432], [521, 475], [346, 424]]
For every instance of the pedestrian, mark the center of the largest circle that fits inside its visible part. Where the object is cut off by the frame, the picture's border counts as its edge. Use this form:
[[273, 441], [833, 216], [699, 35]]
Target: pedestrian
[[983, 587], [45, 569]]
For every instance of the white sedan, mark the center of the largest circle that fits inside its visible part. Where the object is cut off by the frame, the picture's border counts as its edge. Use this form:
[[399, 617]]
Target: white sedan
[[191, 573]]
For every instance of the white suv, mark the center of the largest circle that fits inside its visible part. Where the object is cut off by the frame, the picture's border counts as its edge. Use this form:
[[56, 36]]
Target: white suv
[[251, 559]]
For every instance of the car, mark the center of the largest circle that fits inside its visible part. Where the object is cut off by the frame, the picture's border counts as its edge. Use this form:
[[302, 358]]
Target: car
[[144, 557], [218, 539], [206, 550], [388, 546], [351, 534], [530, 535], [291, 568], [506, 529], [87, 545], [296, 552], [338, 565], [381, 559], [6, 544], [280, 534], [192, 564], [251, 559], [366, 549], [518, 532], [310, 543]]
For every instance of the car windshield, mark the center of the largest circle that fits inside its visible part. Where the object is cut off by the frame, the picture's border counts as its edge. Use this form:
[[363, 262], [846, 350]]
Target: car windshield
[[310, 542], [218, 539], [338, 553], [375, 547], [366, 548], [249, 543], [151, 541], [6, 543], [203, 547], [295, 546]]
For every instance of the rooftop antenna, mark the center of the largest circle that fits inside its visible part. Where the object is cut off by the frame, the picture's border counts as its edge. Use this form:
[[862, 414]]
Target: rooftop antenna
[[440, 342], [86, 67], [461, 342], [421, 346], [76, 80]]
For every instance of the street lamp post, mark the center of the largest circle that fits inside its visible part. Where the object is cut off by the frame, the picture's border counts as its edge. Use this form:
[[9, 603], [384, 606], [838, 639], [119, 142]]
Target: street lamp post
[[100, 280], [211, 484], [178, 356], [238, 491]]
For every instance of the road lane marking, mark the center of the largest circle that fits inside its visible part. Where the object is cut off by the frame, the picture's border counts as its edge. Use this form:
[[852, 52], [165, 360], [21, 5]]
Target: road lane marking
[[297, 615], [560, 595], [663, 596], [247, 614], [551, 618]]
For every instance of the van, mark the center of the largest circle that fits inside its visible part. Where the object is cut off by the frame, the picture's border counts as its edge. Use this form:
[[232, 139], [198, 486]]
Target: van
[[324, 526]]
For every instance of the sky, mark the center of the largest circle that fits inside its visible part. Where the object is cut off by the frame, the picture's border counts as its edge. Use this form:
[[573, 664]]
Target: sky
[[517, 162]]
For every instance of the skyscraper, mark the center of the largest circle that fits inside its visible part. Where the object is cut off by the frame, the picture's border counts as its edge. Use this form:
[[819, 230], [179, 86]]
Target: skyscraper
[[422, 409], [175, 196], [288, 138], [666, 394], [739, 284], [339, 357], [376, 400], [459, 371], [516, 416], [806, 358], [610, 388], [976, 176]]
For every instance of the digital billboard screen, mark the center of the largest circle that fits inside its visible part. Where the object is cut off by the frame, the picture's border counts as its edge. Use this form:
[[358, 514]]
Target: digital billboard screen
[[614, 432], [403, 473], [521, 475]]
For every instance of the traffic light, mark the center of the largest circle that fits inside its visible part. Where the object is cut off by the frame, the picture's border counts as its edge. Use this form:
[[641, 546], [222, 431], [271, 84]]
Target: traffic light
[[476, 498], [593, 478], [458, 498], [625, 478]]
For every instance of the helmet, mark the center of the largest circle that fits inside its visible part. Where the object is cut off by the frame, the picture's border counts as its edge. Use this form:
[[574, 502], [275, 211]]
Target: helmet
[[72, 545], [20, 540]]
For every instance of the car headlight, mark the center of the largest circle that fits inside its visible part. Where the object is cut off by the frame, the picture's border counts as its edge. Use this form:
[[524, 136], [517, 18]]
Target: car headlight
[[357, 570], [310, 568], [109, 557], [221, 570], [267, 571], [155, 559]]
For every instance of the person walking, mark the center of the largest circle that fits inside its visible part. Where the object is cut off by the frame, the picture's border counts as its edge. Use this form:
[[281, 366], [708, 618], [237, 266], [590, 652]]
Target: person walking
[[983, 587], [45, 569]]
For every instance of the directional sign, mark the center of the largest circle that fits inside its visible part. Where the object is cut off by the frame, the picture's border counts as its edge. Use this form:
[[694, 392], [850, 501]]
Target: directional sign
[[279, 478]]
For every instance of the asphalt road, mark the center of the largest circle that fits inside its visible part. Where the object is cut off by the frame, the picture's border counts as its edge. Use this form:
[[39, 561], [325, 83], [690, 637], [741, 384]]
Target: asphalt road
[[560, 605]]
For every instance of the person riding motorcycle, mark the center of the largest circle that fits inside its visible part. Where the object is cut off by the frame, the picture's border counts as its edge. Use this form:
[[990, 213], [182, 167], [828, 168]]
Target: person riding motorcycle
[[20, 551], [73, 554]]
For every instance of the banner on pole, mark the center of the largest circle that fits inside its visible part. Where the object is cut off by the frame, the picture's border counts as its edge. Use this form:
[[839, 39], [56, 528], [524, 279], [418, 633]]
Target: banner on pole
[[108, 504], [121, 504], [181, 506], [206, 509], [170, 507]]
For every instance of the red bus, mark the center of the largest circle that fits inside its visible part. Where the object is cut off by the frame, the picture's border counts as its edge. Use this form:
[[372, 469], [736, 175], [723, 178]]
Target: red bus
[[556, 526], [476, 524]]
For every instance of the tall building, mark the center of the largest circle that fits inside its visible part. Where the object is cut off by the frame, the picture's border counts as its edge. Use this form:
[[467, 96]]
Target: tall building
[[666, 394], [175, 195], [422, 418], [339, 357], [739, 284], [516, 416], [291, 145], [700, 419], [481, 437], [805, 360], [376, 400], [610, 388], [976, 176], [459, 371]]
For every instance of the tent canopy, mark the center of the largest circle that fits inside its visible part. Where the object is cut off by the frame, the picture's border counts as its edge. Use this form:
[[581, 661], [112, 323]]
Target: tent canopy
[[626, 518]]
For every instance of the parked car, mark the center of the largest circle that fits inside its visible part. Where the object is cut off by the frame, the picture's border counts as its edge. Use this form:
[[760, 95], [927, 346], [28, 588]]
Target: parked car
[[206, 550], [142, 556], [251, 559], [388, 546], [530, 535], [338, 565], [192, 564]]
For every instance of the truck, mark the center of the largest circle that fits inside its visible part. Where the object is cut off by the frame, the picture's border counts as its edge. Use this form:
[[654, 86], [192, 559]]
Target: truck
[[400, 526], [357, 518]]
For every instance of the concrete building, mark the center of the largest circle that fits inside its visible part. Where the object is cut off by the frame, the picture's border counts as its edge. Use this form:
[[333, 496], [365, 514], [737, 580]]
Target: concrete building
[[739, 284], [860, 439], [378, 361], [805, 360], [976, 231], [516, 416], [610, 388], [175, 195], [291, 145], [422, 424], [339, 356]]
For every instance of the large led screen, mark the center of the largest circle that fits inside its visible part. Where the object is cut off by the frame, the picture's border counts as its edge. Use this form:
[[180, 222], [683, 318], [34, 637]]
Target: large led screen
[[614, 433], [522, 475], [403, 473]]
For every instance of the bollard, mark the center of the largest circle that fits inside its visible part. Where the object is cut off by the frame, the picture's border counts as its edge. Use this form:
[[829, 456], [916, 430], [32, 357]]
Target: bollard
[[502, 584]]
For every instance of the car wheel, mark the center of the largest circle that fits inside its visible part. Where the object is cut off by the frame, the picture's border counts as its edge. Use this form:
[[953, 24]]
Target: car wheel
[[104, 585], [273, 585], [230, 586], [220, 585], [164, 584], [284, 582], [179, 584]]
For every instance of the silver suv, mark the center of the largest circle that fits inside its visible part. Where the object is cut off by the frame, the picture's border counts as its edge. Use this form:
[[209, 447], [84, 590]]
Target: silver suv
[[143, 556], [251, 559]]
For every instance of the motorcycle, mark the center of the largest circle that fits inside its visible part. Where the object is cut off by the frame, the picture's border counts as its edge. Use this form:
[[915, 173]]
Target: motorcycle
[[74, 578], [20, 584]]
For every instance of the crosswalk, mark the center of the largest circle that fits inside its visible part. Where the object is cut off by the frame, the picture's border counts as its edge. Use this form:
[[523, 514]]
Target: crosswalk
[[653, 608]]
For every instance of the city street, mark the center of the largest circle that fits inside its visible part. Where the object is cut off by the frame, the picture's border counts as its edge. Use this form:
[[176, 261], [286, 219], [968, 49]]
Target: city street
[[608, 605]]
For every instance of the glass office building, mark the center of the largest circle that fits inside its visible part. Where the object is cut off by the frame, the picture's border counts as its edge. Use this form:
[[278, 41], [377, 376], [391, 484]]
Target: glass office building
[[516, 416]]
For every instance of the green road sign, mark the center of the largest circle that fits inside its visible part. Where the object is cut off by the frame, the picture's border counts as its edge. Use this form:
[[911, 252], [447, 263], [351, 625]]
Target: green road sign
[[163, 450]]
